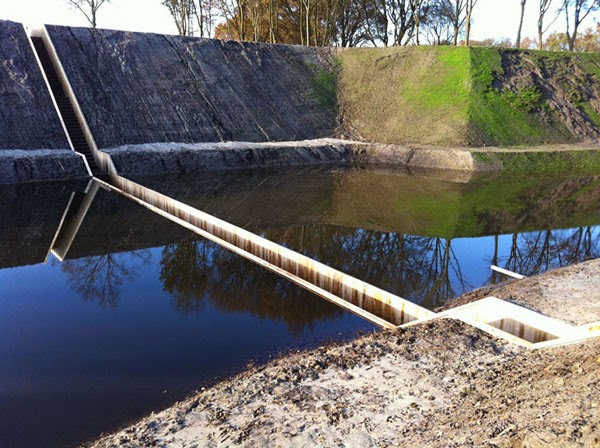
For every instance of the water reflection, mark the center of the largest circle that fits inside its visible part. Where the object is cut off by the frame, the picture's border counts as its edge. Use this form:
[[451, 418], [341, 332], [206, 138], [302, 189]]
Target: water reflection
[[29, 217], [197, 271], [185, 273], [100, 279], [431, 204], [423, 269], [534, 252], [427, 269], [194, 272]]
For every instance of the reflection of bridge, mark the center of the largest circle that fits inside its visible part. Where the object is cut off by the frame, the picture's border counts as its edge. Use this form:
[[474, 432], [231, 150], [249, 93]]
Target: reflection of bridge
[[372, 303], [426, 269]]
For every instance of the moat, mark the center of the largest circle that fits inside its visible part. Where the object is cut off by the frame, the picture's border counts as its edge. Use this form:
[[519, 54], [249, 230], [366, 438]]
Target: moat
[[142, 312]]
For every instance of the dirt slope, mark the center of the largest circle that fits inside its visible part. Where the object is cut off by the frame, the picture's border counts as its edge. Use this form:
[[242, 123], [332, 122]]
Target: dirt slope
[[441, 385], [469, 96]]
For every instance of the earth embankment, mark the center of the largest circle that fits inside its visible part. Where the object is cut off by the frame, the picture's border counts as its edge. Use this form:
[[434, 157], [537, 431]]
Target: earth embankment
[[469, 96]]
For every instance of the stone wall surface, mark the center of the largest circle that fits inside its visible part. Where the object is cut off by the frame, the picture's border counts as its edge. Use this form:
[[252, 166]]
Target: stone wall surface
[[28, 119], [181, 158], [139, 88], [40, 165]]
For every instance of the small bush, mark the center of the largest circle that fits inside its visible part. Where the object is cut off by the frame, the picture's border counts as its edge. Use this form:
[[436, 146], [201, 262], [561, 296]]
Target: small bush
[[528, 99]]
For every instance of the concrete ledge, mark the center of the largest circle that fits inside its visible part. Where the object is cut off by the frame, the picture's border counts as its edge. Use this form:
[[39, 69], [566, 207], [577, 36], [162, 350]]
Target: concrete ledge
[[40, 165], [164, 158], [161, 158], [456, 159]]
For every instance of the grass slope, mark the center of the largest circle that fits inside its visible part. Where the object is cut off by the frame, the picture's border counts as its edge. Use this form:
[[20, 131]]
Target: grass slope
[[461, 96], [415, 94]]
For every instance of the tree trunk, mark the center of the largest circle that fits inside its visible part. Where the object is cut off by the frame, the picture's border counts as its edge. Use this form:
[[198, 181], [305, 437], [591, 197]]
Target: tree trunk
[[308, 22], [272, 19], [570, 39], [544, 5], [468, 28], [518, 42], [468, 14]]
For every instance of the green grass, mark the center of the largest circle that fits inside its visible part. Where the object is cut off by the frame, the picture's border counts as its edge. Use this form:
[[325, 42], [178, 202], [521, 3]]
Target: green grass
[[590, 112], [455, 96], [444, 86], [417, 94], [551, 162], [501, 117], [592, 186], [325, 87], [427, 207], [437, 214]]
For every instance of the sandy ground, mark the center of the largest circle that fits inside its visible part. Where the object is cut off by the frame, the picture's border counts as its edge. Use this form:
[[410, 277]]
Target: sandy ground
[[440, 384], [571, 294]]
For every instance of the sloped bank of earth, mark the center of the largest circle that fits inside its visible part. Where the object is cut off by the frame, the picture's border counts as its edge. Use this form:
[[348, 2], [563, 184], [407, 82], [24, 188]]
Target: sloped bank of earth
[[439, 384], [467, 96]]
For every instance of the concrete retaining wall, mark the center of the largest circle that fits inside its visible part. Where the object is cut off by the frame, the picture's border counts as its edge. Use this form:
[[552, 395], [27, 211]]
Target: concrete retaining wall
[[163, 158]]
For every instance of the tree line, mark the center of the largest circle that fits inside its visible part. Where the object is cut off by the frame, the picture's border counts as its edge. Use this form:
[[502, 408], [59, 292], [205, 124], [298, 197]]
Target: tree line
[[352, 23]]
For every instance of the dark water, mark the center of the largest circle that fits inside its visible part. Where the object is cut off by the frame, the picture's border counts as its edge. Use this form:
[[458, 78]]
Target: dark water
[[129, 322], [427, 238], [142, 311]]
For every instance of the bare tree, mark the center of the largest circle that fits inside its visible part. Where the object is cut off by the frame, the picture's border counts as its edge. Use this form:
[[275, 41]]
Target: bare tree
[[89, 8], [192, 17], [518, 42], [376, 21], [470, 4], [419, 9], [458, 7], [544, 7], [405, 17], [241, 7], [182, 12], [349, 23], [577, 11], [438, 23]]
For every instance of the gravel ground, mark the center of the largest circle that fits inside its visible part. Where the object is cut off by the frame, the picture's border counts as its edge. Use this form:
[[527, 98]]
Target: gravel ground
[[440, 384]]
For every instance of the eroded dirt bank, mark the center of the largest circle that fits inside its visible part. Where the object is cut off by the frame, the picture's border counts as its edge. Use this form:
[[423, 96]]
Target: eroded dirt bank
[[439, 384]]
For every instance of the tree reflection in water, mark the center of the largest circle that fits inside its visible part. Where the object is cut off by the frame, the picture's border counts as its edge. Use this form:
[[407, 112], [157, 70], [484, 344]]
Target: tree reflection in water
[[534, 252], [100, 278], [194, 272], [185, 274], [424, 269]]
